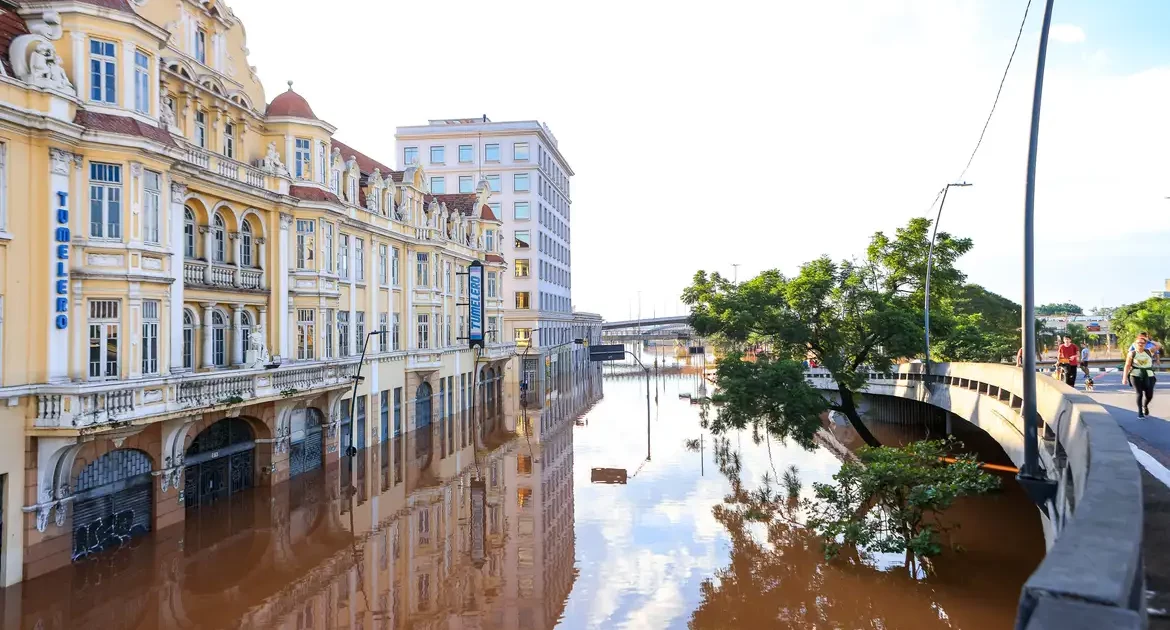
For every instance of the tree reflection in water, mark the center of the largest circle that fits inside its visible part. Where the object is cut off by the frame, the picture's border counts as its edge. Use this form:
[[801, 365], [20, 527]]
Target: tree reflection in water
[[778, 575]]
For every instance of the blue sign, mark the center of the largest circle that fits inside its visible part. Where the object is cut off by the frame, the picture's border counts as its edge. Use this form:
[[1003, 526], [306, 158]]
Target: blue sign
[[475, 304], [61, 262]]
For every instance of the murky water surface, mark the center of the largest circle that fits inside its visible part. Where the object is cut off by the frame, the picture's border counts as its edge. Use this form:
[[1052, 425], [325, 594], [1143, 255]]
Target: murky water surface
[[362, 545]]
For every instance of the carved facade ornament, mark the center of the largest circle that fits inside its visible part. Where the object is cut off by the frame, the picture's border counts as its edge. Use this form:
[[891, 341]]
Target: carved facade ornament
[[178, 192], [59, 160], [35, 60], [352, 174], [166, 115], [271, 163], [286, 221]]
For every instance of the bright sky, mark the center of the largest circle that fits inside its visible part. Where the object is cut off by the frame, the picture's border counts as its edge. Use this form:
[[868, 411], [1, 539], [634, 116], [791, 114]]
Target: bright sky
[[766, 134]]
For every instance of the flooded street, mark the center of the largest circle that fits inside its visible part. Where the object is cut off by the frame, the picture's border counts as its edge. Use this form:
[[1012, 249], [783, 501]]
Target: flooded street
[[396, 538]]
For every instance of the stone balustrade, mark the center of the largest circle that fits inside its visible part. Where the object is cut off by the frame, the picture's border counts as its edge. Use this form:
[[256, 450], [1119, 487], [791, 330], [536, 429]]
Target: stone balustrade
[[94, 405], [233, 169], [494, 351], [198, 273]]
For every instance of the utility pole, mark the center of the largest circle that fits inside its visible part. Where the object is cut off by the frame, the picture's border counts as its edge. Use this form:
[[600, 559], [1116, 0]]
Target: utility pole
[[929, 262], [1035, 482], [735, 273]]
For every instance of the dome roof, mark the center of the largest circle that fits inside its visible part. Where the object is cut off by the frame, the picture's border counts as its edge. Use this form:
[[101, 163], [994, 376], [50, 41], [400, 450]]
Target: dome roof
[[292, 104]]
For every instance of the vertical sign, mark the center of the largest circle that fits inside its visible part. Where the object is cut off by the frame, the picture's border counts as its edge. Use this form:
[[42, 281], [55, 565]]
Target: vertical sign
[[475, 304], [478, 507], [61, 263]]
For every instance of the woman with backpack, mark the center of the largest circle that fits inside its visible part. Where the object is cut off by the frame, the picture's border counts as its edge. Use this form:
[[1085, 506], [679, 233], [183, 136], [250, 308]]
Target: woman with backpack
[[1139, 369]]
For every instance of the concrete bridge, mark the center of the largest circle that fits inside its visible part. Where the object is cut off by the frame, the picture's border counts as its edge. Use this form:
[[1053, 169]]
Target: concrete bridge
[[1092, 575]]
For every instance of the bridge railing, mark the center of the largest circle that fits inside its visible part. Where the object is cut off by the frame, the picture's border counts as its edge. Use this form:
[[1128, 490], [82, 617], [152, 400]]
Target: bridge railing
[[1092, 573]]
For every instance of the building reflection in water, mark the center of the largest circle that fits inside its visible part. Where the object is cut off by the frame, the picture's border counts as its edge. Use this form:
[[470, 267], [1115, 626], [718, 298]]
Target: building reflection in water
[[381, 540]]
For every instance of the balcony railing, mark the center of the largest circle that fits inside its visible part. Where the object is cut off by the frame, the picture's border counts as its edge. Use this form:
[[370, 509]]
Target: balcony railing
[[200, 273], [87, 405], [424, 360], [229, 168], [494, 351]]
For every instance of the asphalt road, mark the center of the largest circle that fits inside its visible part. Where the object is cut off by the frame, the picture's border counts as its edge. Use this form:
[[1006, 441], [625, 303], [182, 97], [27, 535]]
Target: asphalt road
[[1151, 434]]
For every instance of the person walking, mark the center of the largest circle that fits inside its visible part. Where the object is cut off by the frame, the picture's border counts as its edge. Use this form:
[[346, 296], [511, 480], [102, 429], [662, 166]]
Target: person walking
[[1139, 370], [1068, 357], [1085, 360]]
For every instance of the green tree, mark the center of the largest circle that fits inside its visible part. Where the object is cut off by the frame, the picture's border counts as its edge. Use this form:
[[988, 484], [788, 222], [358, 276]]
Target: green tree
[[1078, 333], [1151, 315], [849, 316], [984, 327], [1065, 308], [890, 500]]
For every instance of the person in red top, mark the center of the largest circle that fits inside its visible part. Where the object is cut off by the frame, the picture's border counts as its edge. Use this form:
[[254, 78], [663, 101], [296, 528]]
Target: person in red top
[[1069, 355]]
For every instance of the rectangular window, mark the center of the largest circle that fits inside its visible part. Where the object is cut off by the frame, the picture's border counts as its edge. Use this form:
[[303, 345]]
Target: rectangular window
[[229, 140], [438, 185], [461, 330], [492, 332], [520, 152], [395, 335], [465, 184], [141, 82], [521, 266], [493, 182], [104, 322], [424, 333], [359, 327], [201, 46], [327, 229], [520, 182], [384, 428], [305, 334], [523, 336], [409, 156], [422, 269], [343, 256], [450, 338], [394, 265], [303, 158], [491, 284], [397, 411], [327, 334], [103, 72], [521, 211], [150, 337], [201, 129], [437, 155], [491, 152], [384, 328], [447, 278], [522, 300], [359, 260], [383, 263], [489, 240], [305, 244], [465, 153], [342, 333], [151, 202], [105, 200], [523, 239]]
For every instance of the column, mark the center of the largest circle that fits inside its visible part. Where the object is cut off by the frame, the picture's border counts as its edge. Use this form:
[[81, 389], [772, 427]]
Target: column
[[235, 239], [128, 50], [174, 223], [262, 322], [80, 70], [132, 331], [282, 294], [238, 334], [207, 330], [262, 260], [205, 230]]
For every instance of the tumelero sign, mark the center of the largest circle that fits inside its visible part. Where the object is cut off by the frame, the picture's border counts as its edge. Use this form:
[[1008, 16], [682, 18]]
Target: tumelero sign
[[478, 518], [61, 263], [475, 304]]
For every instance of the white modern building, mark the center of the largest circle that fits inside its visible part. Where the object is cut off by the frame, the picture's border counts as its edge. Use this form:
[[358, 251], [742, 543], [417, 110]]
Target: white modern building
[[530, 183]]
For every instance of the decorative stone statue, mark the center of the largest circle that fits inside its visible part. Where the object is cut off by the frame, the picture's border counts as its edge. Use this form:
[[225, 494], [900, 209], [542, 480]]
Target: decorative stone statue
[[165, 115], [479, 242], [257, 349], [272, 163], [35, 61]]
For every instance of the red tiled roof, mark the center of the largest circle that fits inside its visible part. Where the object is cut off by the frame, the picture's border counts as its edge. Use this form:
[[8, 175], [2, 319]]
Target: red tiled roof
[[487, 215], [290, 103], [123, 125], [463, 202], [366, 164], [494, 258], [312, 193], [11, 26]]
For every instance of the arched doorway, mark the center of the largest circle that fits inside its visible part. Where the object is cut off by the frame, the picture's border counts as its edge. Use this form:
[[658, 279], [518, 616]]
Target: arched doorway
[[305, 435], [112, 501], [422, 422], [219, 462]]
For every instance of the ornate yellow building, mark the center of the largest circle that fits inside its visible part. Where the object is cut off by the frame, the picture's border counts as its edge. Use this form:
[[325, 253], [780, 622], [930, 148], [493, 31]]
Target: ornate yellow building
[[189, 274]]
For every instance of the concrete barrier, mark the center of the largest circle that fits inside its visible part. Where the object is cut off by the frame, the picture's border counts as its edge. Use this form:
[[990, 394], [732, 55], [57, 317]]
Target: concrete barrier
[[1092, 574]]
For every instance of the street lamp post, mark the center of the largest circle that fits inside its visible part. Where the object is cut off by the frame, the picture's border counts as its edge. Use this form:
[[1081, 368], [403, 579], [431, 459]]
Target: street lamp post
[[357, 379], [929, 264]]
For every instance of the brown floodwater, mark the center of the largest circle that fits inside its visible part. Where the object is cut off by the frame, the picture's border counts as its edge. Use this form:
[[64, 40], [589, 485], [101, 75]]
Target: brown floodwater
[[359, 546]]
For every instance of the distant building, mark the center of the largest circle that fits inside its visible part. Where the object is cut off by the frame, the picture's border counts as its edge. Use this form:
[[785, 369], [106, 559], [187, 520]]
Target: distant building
[[1164, 292]]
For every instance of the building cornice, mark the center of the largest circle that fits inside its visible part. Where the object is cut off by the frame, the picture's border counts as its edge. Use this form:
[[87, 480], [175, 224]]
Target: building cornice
[[34, 10], [308, 122]]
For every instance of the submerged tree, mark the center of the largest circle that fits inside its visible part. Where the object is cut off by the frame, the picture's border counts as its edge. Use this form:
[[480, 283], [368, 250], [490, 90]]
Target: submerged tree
[[891, 500], [848, 316]]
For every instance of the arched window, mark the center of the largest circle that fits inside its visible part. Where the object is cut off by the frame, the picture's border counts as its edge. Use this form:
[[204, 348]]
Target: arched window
[[246, 244], [188, 232], [188, 339], [245, 333], [218, 236], [218, 338]]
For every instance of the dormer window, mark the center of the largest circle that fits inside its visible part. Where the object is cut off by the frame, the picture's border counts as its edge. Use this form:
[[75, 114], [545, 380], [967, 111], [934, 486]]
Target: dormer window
[[141, 82], [103, 70], [304, 154], [201, 46]]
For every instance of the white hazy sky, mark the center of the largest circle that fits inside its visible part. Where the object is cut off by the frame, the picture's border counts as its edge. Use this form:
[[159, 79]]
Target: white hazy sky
[[768, 133]]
